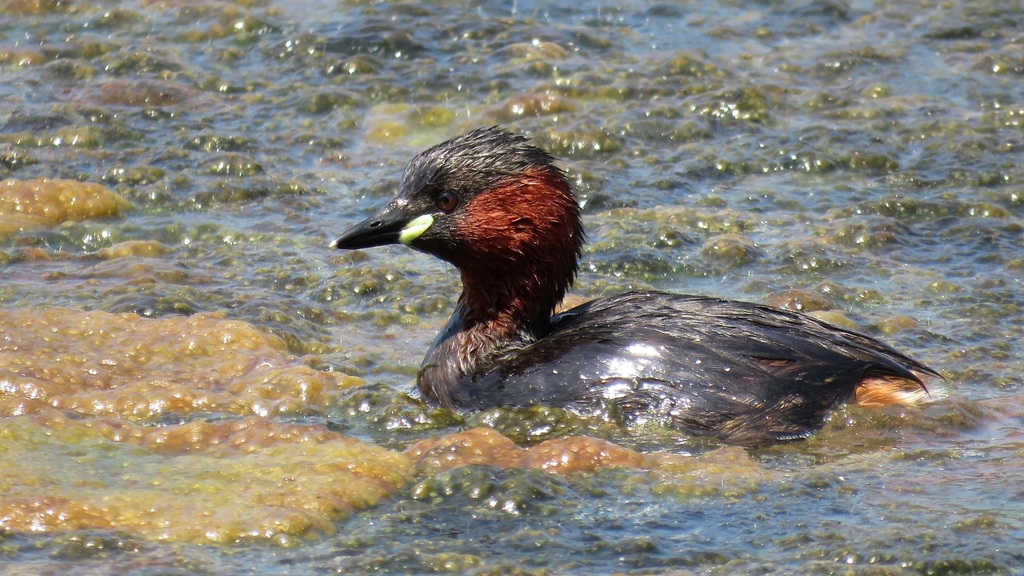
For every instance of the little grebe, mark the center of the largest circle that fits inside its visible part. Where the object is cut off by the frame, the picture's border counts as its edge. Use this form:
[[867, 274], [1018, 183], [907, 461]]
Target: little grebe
[[498, 208]]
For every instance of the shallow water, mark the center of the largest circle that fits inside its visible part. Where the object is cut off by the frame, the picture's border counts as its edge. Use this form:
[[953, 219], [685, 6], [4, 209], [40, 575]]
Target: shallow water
[[190, 382]]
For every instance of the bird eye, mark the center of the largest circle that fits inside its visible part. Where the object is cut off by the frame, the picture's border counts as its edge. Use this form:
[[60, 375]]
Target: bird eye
[[447, 201]]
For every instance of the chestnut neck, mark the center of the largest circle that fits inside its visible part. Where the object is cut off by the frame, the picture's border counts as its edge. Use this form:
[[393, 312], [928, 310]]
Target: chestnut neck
[[524, 242], [521, 245]]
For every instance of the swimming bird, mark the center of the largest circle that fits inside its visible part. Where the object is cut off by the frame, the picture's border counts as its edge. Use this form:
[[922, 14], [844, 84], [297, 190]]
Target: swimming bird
[[503, 213]]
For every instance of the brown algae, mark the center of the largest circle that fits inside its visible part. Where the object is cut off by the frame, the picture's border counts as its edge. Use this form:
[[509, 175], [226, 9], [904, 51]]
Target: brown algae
[[74, 384], [46, 202], [126, 366], [226, 481]]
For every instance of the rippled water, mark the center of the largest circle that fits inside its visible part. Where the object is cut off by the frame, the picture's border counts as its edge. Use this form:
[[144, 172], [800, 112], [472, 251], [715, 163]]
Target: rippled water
[[249, 412]]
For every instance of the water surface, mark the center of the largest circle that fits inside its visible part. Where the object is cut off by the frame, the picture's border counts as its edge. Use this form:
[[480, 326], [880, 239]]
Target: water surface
[[191, 382]]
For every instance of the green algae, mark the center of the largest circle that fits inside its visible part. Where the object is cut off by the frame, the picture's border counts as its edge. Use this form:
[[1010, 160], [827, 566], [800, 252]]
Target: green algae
[[728, 472], [535, 424], [518, 492], [232, 165], [730, 249]]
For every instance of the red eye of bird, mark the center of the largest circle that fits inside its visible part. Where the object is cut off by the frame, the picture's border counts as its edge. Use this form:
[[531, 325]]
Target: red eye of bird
[[447, 201]]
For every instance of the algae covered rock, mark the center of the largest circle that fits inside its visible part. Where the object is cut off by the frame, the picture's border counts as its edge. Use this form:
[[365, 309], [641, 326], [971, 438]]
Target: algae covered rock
[[140, 369], [44, 202], [486, 446], [214, 482], [164, 429]]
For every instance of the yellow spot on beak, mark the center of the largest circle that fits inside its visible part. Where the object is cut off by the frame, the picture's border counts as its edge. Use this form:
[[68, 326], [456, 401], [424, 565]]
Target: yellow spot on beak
[[415, 228]]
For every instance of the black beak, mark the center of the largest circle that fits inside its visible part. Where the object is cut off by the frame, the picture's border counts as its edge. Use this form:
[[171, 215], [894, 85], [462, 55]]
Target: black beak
[[390, 226]]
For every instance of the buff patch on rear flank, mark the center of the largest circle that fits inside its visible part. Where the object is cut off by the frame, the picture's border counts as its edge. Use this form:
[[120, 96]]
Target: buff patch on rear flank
[[886, 391]]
